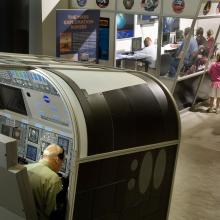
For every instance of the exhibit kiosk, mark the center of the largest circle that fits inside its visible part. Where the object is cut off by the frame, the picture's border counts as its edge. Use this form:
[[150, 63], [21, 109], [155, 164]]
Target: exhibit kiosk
[[120, 130]]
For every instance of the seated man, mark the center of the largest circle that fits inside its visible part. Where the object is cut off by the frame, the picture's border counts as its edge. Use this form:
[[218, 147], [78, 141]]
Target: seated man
[[149, 52], [45, 182], [190, 55]]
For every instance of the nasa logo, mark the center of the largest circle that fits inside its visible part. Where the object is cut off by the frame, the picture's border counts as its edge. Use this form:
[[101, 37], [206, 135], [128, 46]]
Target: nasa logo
[[149, 5], [46, 99], [128, 3], [81, 3], [178, 6], [102, 3]]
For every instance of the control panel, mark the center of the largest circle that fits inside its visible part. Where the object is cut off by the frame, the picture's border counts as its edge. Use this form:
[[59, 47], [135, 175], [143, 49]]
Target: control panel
[[32, 140], [32, 111], [27, 79]]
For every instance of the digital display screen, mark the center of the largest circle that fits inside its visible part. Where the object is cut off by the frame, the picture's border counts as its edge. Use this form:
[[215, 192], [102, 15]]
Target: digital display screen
[[6, 130], [33, 135], [136, 43], [12, 99], [16, 133], [166, 38], [63, 142], [31, 152], [63, 168]]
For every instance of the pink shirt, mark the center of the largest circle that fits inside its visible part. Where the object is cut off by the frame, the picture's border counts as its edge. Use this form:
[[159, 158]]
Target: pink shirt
[[214, 73]]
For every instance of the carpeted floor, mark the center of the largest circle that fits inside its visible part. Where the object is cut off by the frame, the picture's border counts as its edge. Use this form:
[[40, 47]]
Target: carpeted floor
[[196, 192]]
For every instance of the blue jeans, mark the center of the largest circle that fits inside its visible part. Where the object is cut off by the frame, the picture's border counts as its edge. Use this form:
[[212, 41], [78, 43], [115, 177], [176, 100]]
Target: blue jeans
[[173, 66]]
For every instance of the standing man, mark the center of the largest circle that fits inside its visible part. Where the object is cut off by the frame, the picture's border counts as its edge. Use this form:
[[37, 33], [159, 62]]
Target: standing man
[[190, 54], [45, 182]]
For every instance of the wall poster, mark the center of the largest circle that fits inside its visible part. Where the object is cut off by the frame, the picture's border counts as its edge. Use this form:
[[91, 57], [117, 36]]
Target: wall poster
[[77, 34]]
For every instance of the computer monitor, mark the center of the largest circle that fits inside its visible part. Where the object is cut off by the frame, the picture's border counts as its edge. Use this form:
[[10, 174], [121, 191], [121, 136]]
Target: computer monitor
[[179, 35], [136, 44], [31, 152], [165, 38]]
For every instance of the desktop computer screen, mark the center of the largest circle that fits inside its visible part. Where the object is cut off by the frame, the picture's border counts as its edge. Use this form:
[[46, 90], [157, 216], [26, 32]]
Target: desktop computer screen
[[165, 38], [136, 44], [179, 36]]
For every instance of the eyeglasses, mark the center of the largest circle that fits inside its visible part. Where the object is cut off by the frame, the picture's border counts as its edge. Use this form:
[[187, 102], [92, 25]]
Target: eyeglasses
[[61, 155]]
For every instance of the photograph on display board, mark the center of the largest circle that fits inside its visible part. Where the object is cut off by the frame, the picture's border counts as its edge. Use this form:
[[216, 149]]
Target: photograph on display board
[[65, 42], [102, 3], [125, 25], [171, 24], [149, 5], [81, 3], [128, 4], [218, 8], [207, 8], [178, 6]]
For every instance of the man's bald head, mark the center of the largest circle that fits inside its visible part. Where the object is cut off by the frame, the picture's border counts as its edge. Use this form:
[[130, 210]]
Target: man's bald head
[[54, 155], [52, 149]]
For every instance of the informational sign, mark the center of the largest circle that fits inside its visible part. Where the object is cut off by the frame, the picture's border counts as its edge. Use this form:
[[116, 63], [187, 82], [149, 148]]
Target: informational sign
[[104, 38], [77, 34]]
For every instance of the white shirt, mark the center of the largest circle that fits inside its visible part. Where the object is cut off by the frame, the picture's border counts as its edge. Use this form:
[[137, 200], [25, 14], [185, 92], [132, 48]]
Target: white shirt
[[149, 53]]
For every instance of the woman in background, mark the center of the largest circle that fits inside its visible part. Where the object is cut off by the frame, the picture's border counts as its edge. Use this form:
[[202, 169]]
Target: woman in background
[[210, 41], [214, 73]]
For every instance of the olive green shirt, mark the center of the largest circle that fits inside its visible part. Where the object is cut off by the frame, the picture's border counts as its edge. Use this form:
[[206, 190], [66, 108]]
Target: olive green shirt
[[45, 185]]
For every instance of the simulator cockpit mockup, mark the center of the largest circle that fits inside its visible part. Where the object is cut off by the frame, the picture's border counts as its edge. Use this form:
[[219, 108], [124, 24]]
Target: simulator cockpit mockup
[[119, 129]]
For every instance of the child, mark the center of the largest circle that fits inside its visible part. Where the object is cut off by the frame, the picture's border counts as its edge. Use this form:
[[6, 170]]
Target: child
[[214, 73]]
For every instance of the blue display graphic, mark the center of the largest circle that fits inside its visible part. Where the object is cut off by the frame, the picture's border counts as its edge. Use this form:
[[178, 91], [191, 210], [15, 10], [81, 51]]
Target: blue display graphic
[[125, 25], [104, 38], [171, 24], [46, 99], [31, 152]]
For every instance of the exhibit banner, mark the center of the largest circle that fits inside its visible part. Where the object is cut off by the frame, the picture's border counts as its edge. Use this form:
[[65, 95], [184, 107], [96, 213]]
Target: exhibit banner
[[150, 7], [104, 38], [77, 34], [180, 8], [104, 5]]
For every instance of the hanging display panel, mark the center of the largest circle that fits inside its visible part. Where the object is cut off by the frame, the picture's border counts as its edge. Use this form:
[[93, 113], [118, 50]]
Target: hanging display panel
[[180, 8], [93, 4], [76, 34], [139, 6]]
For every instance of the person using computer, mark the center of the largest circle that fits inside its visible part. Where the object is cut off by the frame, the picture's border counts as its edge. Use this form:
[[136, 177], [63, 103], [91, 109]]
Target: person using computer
[[45, 182], [149, 52], [190, 54]]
